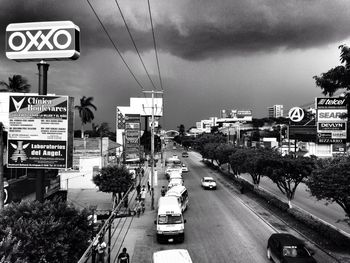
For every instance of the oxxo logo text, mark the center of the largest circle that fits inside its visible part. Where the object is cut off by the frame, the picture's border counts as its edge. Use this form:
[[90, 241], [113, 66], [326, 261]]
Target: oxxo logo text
[[44, 40]]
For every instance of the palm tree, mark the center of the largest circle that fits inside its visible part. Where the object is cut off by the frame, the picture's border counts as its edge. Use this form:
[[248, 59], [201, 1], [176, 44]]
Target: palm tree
[[85, 113], [16, 84]]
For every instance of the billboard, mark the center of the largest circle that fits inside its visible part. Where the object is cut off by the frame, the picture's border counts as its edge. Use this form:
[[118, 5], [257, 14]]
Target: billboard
[[55, 40], [132, 136], [330, 103], [40, 133], [331, 123]]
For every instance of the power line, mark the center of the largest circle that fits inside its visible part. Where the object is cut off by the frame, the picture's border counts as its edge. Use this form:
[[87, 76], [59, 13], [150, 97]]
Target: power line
[[155, 46], [156, 52], [115, 47], [133, 41]]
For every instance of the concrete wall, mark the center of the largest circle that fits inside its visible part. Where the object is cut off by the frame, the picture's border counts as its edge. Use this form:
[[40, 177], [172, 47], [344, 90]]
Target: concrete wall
[[81, 179]]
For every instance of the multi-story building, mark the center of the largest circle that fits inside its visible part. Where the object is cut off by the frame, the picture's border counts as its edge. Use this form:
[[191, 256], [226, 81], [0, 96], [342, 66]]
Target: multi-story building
[[276, 111]]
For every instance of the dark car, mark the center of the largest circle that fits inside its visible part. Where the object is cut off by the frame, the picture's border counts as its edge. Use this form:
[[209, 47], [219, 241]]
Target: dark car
[[185, 154], [286, 248]]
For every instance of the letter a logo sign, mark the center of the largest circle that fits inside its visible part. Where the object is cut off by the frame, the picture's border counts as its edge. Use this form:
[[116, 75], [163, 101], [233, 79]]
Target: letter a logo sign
[[296, 114]]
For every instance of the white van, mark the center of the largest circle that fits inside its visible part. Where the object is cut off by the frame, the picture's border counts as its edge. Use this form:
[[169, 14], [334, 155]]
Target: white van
[[172, 256], [180, 192], [175, 181], [175, 174], [170, 222]]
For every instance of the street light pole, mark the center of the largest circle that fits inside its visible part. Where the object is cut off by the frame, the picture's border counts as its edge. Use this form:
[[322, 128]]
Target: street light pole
[[152, 145]]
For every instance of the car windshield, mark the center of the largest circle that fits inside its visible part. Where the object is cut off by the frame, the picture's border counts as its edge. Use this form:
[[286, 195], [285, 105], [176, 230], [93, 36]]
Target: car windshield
[[169, 219], [209, 180], [295, 252]]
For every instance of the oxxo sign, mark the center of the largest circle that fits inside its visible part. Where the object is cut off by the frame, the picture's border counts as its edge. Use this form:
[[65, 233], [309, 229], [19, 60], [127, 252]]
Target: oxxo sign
[[57, 40]]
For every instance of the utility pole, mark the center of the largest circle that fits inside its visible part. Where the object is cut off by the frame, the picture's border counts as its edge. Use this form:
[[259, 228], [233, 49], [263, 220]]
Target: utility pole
[[152, 145]]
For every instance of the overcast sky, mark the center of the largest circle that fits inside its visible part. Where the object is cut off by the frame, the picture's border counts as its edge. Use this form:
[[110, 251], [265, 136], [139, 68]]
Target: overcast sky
[[213, 55]]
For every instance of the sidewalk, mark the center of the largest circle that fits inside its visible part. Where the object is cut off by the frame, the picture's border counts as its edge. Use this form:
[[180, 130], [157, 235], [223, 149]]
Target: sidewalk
[[132, 232], [141, 228]]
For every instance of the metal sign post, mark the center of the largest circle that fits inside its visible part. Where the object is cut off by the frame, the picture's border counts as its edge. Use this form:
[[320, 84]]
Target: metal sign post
[[1, 168], [43, 67]]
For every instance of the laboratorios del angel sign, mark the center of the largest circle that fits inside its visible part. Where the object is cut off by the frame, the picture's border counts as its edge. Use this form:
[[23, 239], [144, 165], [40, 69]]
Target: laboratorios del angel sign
[[40, 131]]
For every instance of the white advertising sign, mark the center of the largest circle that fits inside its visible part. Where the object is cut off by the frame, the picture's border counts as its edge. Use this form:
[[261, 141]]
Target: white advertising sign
[[40, 131], [331, 115], [296, 114], [38, 118], [54, 40]]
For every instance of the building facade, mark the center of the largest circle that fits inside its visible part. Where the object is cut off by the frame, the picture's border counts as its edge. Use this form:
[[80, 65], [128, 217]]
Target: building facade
[[275, 111]]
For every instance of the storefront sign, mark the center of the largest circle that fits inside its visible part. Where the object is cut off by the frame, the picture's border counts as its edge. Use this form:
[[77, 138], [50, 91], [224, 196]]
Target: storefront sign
[[132, 136], [55, 40], [296, 114], [330, 103], [333, 115]]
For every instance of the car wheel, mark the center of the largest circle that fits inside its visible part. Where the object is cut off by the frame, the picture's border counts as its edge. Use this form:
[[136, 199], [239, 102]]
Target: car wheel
[[268, 253]]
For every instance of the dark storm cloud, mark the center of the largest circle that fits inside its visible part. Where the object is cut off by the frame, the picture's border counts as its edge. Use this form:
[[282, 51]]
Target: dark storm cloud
[[197, 29]]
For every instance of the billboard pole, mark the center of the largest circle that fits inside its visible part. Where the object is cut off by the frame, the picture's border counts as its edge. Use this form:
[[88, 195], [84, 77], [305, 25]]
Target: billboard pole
[[1, 168], [42, 90]]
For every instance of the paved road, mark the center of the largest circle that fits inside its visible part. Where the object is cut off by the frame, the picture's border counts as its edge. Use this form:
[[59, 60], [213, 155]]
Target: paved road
[[220, 227]]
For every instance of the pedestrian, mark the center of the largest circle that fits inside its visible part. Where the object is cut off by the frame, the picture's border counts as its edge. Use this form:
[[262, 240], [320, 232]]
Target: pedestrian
[[126, 201], [124, 256], [148, 187], [137, 208], [100, 249], [163, 191], [142, 171], [143, 194], [138, 189]]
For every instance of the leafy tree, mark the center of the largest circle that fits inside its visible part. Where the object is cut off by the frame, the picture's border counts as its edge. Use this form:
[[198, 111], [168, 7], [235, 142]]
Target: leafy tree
[[205, 138], [209, 151], [85, 113], [255, 162], [237, 159], [222, 153], [44, 232], [16, 84], [101, 130], [331, 182], [113, 179], [9, 248], [181, 129], [287, 172], [336, 78]]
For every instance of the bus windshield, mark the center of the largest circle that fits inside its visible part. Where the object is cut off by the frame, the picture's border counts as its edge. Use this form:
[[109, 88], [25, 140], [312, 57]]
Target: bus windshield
[[169, 219]]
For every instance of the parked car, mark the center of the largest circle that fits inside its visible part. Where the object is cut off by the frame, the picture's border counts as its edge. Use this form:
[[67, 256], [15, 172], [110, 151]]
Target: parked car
[[184, 168], [208, 183], [185, 154], [286, 248]]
